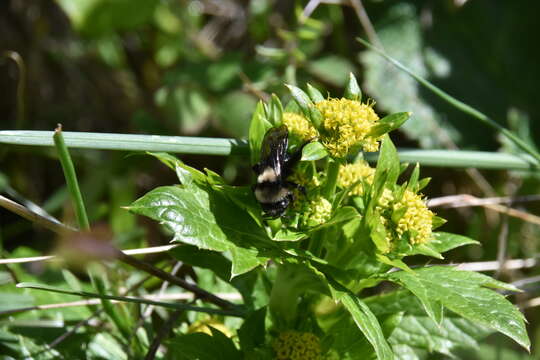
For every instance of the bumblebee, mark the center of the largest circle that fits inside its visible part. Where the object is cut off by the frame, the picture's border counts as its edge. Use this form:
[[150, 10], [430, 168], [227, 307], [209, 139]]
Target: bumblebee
[[273, 190]]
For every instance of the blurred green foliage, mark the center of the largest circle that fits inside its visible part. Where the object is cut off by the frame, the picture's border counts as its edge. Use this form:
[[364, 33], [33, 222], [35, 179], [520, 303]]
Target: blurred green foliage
[[189, 67]]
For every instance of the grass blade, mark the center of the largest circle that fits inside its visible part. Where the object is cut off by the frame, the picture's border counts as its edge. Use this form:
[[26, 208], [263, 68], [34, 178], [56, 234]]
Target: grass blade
[[129, 142], [71, 179], [220, 146], [131, 299], [459, 104]]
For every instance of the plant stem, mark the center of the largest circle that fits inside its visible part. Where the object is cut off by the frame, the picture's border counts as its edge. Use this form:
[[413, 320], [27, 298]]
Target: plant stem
[[218, 146], [459, 104], [129, 142], [71, 179], [332, 171], [178, 306]]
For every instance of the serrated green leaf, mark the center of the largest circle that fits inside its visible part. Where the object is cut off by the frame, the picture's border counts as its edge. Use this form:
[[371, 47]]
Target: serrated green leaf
[[465, 293], [352, 90], [206, 219], [314, 151], [416, 333], [364, 319]]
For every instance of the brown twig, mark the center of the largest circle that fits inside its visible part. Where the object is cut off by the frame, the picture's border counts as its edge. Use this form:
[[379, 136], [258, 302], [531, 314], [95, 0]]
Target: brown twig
[[150, 269], [464, 200], [165, 329]]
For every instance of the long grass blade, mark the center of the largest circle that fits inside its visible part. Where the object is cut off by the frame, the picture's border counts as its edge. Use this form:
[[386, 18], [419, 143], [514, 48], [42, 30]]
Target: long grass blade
[[459, 104], [129, 142], [131, 299], [220, 146]]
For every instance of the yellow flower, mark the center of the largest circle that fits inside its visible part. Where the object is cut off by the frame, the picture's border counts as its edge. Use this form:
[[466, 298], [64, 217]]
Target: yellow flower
[[417, 219], [299, 126], [351, 173], [347, 124], [294, 345], [317, 211]]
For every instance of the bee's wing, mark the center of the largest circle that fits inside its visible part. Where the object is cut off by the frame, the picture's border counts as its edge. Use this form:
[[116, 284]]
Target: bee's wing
[[274, 148]]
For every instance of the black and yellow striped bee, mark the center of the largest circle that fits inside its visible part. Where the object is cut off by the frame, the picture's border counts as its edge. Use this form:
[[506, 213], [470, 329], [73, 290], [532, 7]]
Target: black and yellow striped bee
[[273, 190]]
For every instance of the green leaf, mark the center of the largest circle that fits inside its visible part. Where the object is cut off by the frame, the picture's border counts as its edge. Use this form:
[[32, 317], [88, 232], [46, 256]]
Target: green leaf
[[314, 151], [186, 174], [101, 17], [252, 332], [352, 90], [288, 235], [202, 346], [412, 183], [387, 169], [389, 123], [206, 219], [343, 214], [443, 241], [465, 293], [257, 128], [306, 105], [417, 333], [301, 98], [364, 319], [206, 259], [314, 94], [275, 111]]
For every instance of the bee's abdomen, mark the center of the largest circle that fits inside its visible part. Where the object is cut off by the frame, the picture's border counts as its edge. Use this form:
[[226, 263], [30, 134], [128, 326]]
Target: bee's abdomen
[[270, 193]]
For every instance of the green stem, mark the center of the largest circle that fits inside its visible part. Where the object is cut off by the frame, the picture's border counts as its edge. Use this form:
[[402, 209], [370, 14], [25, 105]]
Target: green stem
[[129, 142], [332, 171], [218, 146], [177, 306], [71, 178], [459, 104]]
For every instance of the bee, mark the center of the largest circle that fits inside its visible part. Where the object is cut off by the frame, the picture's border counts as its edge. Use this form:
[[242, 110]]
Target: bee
[[273, 190]]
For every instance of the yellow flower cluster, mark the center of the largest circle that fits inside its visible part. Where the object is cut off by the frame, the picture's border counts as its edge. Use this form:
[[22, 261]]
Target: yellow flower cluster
[[294, 345], [299, 126], [351, 173], [417, 219], [321, 209], [347, 124]]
